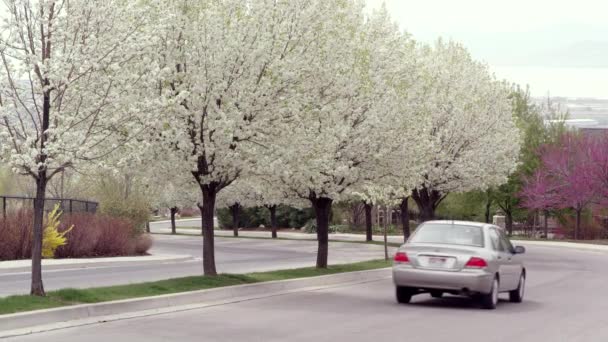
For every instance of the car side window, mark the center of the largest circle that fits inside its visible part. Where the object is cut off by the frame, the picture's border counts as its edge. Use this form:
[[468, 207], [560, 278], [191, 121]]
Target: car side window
[[506, 242], [495, 239]]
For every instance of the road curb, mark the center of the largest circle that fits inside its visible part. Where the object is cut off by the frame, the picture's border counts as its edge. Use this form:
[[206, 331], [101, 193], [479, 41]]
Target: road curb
[[58, 318], [97, 262], [177, 220]]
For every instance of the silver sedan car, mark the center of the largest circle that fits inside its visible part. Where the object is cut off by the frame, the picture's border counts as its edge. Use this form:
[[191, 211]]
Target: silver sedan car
[[462, 258]]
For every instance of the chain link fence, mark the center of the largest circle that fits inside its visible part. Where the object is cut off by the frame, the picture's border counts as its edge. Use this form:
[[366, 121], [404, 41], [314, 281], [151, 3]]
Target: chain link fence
[[67, 205]]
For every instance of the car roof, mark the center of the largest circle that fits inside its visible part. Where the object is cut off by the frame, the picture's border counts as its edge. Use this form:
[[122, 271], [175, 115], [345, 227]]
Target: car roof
[[462, 223]]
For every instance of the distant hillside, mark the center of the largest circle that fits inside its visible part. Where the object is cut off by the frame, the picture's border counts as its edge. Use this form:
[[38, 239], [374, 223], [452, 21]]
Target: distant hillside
[[582, 54]]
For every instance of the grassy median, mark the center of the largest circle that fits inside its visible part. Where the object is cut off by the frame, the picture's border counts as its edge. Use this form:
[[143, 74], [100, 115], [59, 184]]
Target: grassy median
[[67, 297]]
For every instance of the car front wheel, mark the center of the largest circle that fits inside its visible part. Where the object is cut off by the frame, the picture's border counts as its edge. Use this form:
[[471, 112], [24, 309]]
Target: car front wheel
[[404, 294], [517, 295]]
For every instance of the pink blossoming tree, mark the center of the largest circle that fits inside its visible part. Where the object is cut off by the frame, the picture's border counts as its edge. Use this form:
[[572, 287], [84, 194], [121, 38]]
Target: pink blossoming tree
[[567, 177]]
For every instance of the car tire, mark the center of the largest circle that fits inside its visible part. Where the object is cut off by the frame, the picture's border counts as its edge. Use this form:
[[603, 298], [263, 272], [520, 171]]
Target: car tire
[[404, 294], [517, 295], [490, 300], [436, 294]]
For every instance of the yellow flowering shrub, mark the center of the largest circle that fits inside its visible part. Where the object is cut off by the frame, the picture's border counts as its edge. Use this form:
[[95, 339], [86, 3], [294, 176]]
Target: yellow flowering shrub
[[52, 238]]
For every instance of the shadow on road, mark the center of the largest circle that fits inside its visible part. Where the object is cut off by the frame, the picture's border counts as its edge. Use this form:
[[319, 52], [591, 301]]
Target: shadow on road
[[466, 303]]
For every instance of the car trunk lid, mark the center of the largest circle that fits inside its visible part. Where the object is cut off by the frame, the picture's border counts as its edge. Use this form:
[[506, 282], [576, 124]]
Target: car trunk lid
[[439, 257]]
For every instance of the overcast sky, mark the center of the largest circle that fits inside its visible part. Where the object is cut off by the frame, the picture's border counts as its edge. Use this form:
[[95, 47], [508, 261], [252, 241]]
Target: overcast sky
[[520, 37]]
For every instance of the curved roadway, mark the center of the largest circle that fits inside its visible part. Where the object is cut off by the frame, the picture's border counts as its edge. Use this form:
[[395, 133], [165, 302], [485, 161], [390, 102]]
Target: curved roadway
[[565, 301]]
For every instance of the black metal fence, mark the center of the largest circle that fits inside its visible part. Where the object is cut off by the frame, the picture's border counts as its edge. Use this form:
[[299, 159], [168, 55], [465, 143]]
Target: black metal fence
[[67, 205]]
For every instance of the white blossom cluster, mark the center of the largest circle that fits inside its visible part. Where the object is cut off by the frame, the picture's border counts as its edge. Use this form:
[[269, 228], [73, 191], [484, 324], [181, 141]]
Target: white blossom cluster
[[89, 59]]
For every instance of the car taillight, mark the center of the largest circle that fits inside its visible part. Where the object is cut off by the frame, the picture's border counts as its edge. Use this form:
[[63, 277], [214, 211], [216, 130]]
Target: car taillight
[[401, 257], [476, 262]]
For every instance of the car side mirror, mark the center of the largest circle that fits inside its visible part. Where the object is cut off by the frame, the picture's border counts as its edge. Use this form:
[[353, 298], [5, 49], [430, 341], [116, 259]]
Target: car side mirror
[[520, 250]]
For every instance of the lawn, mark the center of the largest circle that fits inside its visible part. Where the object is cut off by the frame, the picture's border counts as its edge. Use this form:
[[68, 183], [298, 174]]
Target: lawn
[[67, 297]]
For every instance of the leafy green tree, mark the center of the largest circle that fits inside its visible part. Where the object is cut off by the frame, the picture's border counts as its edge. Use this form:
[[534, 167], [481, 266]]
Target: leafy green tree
[[463, 206], [121, 196], [538, 125]]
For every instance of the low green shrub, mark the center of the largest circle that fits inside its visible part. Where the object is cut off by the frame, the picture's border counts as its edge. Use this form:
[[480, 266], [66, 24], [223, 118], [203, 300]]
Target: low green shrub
[[287, 217]]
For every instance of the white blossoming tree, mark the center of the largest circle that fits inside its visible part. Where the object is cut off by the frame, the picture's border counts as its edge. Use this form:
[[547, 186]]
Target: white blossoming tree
[[232, 74], [257, 191], [235, 197], [270, 193], [404, 154], [337, 140], [69, 71], [175, 194], [382, 195], [472, 138]]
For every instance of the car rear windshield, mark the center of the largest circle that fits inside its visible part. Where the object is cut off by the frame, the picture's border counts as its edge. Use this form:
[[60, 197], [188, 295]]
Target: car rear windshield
[[450, 234]]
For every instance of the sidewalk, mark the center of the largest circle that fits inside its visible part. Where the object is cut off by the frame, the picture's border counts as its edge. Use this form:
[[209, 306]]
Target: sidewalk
[[54, 264]]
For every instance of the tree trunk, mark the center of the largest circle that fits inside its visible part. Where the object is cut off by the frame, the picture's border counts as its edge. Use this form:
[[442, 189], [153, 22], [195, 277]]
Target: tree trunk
[[546, 224], [37, 288], [234, 210], [173, 212], [405, 218], [368, 222], [207, 211], [147, 226], [427, 201], [273, 220], [534, 222], [487, 212], [322, 206], [509, 222], [577, 227]]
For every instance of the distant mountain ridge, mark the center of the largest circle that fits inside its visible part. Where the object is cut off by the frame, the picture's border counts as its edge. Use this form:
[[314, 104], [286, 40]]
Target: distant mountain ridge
[[586, 54]]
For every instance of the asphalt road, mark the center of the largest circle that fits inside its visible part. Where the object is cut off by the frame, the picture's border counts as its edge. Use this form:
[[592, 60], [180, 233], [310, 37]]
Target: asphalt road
[[187, 222], [232, 256], [565, 301]]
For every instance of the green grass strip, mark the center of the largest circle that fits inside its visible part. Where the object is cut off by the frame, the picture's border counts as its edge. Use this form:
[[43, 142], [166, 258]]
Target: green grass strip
[[67, 297]]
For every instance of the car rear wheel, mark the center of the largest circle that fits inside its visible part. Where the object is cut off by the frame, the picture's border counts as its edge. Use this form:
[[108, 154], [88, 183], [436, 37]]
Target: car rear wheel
[[517, 295], [436, 294], [404, 294], [490, 300]]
